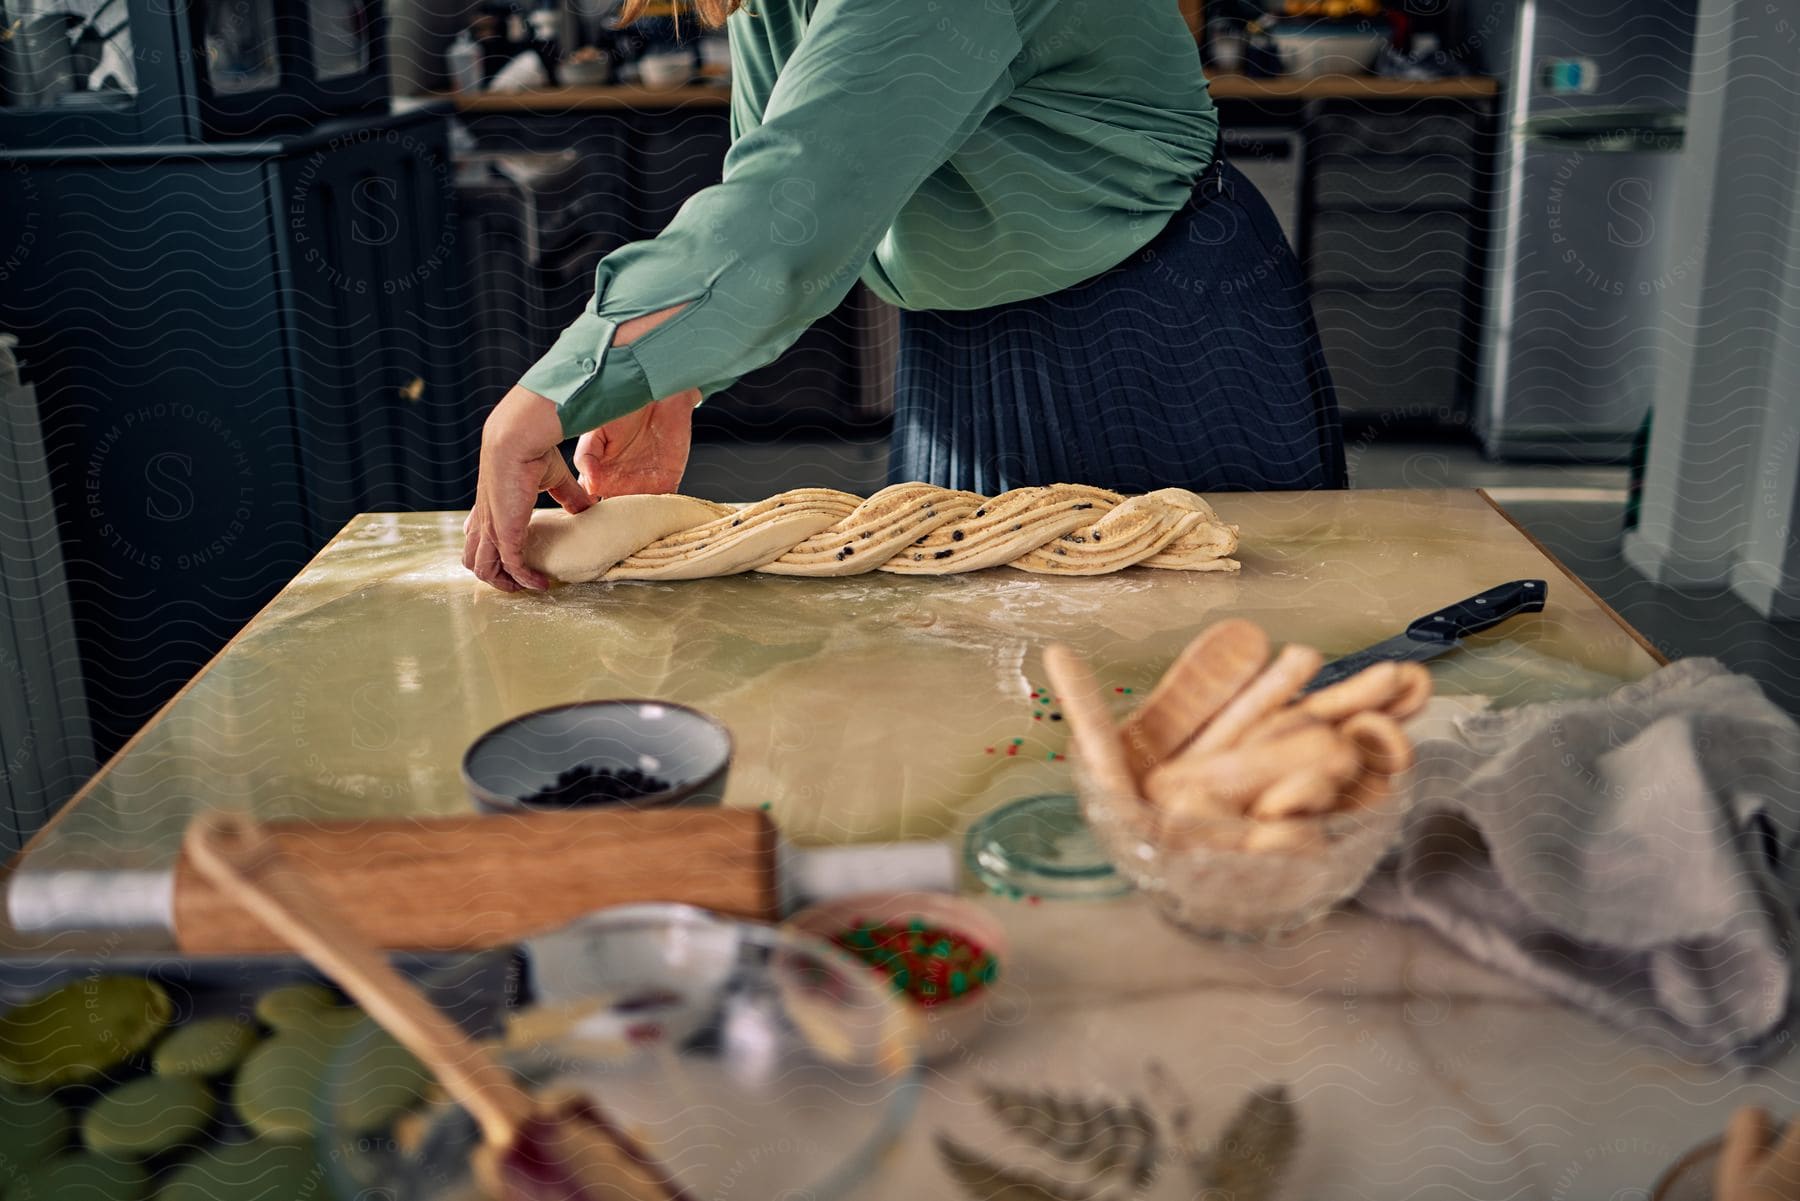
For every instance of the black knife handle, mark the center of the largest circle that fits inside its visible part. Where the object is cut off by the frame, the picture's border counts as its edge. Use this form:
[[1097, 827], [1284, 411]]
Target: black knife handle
[[1480, 612]]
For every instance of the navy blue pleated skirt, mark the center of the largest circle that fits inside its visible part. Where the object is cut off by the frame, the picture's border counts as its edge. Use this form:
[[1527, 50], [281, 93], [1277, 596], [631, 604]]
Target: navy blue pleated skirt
[[1195, 363]]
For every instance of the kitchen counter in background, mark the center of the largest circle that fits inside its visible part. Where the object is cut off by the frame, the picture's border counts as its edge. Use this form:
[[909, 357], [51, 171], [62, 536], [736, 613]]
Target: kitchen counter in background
[[1225, 86]]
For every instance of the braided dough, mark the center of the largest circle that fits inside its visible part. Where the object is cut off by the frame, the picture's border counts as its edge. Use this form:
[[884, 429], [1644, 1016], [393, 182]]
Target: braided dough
[[912, 529]]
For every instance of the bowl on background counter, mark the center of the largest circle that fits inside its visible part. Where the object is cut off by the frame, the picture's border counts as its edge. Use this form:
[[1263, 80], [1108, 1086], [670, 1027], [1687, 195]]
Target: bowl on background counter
[[585, 72], [523, 757], [1313, 48], [669, 69]]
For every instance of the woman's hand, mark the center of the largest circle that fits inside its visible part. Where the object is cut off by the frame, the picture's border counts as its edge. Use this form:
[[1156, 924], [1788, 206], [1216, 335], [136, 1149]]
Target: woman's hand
[[1753, 1164], [645, 451], [519, 459]]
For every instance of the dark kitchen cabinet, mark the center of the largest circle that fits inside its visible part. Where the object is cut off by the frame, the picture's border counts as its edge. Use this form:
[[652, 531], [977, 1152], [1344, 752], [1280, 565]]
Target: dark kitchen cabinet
[[1374, 248], [114, 72], [1395, 243], [236, 347], [1397, 350]]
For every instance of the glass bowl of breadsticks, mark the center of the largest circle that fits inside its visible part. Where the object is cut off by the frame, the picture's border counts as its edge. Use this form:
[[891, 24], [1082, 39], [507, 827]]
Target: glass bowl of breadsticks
[[1242, 804]]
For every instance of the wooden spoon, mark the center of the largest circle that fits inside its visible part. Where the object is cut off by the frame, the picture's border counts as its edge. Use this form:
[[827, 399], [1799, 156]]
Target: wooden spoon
[[554, 1149]]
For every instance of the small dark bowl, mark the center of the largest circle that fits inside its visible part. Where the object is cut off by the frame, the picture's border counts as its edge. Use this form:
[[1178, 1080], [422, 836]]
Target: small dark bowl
[[521, 757]]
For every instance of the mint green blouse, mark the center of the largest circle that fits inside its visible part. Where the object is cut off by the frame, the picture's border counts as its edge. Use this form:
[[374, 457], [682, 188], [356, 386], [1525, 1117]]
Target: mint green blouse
[[953, 154]]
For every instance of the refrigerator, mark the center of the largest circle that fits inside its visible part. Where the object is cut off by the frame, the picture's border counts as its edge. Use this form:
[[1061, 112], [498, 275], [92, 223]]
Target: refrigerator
[[1586, 249]]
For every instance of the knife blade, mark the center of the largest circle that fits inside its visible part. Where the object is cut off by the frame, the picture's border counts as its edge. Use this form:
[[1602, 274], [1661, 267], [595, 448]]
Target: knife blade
[[1439, 633]]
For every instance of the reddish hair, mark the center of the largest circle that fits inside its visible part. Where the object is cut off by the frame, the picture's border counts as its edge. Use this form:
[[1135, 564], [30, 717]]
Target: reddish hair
[[712, 13]]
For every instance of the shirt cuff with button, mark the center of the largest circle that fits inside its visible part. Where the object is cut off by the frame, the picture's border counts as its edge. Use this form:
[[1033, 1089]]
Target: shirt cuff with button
[[591, 380]]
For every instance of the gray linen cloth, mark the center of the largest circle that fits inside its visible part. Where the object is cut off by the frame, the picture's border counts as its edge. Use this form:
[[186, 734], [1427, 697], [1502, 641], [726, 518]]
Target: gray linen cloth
[[1636, 854]]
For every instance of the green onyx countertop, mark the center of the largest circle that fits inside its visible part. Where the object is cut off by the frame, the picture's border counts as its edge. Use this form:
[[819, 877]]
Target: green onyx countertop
[[866, 708]]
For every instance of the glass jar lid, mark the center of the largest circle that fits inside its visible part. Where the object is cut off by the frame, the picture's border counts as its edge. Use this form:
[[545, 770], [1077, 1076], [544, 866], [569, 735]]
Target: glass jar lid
[[1040, 846]]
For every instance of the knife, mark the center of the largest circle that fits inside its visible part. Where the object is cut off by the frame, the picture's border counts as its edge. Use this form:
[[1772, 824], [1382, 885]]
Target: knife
[[1439, 633]]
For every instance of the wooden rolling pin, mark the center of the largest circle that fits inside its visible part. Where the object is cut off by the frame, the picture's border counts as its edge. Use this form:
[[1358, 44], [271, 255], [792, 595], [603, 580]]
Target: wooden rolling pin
[[462, 883]]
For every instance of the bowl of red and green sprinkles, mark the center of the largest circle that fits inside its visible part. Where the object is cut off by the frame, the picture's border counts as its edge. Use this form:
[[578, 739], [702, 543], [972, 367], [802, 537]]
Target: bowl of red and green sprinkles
[[943, 953]]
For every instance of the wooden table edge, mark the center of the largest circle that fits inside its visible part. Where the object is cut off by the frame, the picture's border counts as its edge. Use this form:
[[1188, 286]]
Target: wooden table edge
[[1631, 632], [1223, 85]]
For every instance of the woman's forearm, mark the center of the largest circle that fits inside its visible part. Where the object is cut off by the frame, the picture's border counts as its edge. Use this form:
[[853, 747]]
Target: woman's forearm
[[871, 103]]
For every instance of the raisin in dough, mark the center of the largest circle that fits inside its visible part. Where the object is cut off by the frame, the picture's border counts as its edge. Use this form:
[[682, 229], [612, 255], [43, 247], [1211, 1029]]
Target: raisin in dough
[[910, 529]]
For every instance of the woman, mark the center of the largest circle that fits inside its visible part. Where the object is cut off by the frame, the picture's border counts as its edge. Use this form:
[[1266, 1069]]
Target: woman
[[1090, 293]]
